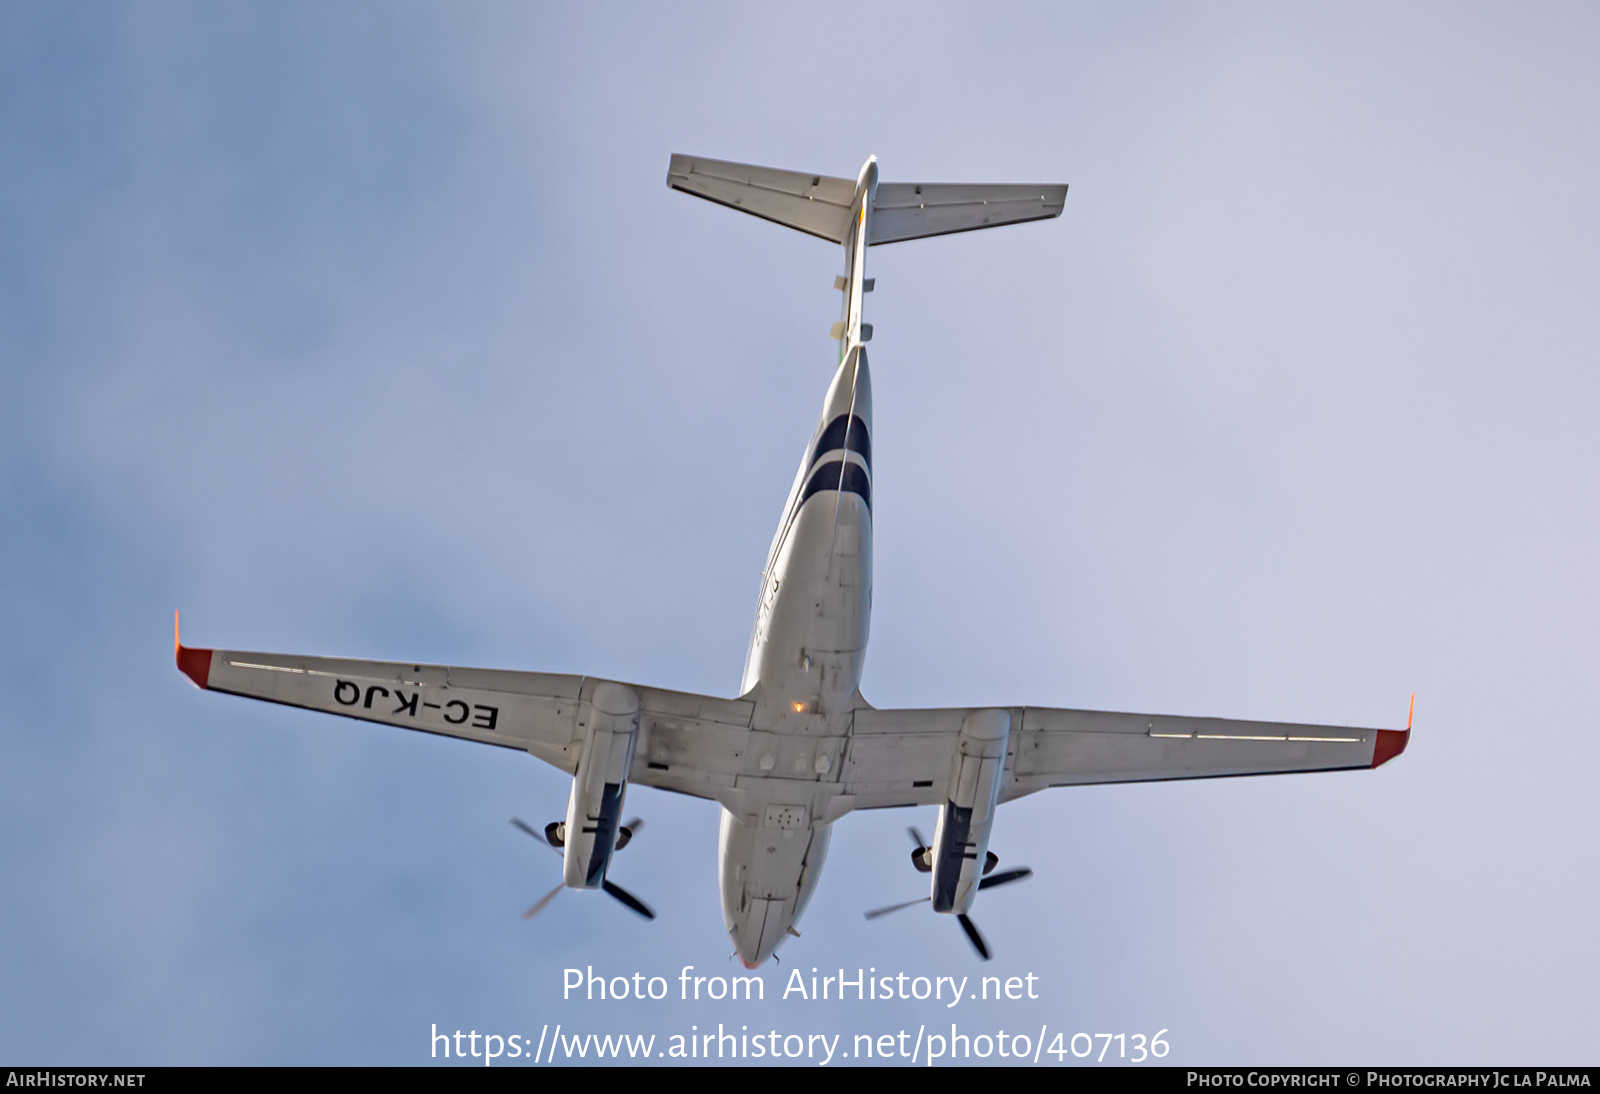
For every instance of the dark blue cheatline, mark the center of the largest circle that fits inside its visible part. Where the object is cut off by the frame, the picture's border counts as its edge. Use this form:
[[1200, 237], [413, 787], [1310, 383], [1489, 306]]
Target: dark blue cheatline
[[826, 477], [952, 852], [834, 438]]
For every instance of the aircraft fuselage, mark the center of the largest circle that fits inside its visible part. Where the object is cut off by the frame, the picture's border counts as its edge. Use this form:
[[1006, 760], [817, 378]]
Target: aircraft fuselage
[[804, 671]]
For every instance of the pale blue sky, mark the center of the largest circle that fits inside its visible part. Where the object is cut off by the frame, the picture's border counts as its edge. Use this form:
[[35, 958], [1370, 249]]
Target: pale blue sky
[[373, 330]]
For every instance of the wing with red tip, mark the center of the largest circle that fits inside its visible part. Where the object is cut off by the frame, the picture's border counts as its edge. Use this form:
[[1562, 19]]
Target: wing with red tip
[[532, 711], [902, 757], [692, 744], [704, 746], [193, 663], [1392, 742]]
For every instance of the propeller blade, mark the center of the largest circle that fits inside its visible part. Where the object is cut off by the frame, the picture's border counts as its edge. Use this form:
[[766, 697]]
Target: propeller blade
[[1005, 877], [876, 912], [974, 937], [626, 832], [535, 833], [522, 824], [628, 898], [916, 837], [546, 899]]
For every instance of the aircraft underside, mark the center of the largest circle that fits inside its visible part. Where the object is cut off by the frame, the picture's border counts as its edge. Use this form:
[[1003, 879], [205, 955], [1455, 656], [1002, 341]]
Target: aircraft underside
[[799, 748], [803, 672]]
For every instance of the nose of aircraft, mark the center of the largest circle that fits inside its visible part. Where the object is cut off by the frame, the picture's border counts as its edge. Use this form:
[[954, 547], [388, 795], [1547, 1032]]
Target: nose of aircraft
[[757, 931]]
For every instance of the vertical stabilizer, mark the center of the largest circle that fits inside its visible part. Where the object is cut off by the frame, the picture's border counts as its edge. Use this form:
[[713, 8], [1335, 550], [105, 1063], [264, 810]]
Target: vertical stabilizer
[[850, 331]]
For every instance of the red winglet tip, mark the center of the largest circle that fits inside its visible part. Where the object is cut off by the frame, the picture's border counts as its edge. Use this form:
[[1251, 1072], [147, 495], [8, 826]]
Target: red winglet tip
[[1390, 743], [1412, 710], [195, 664]]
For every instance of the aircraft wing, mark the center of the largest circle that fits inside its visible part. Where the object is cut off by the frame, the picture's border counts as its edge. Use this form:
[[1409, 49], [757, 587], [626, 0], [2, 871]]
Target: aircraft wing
[[533, 711], [902, 757], [704, 746], [693, 744]]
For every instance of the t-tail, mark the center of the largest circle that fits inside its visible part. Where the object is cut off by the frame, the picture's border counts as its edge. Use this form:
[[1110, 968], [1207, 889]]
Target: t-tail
[[862, 213]]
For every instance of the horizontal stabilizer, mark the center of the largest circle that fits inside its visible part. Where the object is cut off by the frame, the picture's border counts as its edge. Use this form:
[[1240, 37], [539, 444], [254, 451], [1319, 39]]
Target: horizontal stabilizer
[[821, 205], [816, 204], [915, 210]]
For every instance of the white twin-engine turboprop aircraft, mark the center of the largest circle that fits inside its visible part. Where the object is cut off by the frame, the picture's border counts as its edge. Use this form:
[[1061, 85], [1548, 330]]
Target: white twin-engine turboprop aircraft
[[799, 748]]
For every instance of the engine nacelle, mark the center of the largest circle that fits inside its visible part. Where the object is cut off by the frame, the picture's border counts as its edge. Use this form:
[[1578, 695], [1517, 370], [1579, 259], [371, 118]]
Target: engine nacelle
[[594, 811], [961, 841]]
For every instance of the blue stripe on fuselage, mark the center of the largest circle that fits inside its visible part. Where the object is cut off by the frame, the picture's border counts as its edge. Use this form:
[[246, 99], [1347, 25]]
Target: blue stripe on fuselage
[[838, 475], [843, 429]]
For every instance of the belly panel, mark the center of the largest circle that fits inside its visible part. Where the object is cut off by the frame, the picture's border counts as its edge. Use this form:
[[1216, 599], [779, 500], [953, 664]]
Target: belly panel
[[768, 873]]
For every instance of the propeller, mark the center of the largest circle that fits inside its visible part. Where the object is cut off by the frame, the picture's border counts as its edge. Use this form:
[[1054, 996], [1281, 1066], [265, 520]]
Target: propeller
[[876, 912], [973, 936], [1004, 877], [627, 831], [919, 859], [617, 892], [522, 824], [546, 899], [628, 899]]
